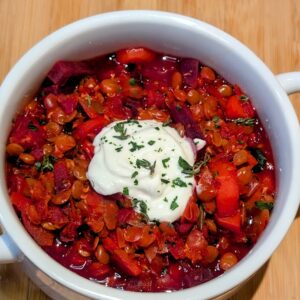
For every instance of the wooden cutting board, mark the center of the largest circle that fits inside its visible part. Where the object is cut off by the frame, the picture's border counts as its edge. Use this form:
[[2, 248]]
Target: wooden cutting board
[[271, 28]]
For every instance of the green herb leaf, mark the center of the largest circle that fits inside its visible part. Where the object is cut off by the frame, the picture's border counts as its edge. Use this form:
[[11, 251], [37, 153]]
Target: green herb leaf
[[46, 164], [197, 166], [42, 122], [174, 204], [132, 81], [134, 174], [244, 121], [32, 127], [186, 167], [119, 149], [120, 128], [146, 164], [165, 162], [216, 119], [264, 205], [193, 170], [261, 160], [136, 182], [151, 143], [135, 146], [165, 199], [164, 181], [89, 100], [244, 98], [178, 182], [126, 191], [143, 207]]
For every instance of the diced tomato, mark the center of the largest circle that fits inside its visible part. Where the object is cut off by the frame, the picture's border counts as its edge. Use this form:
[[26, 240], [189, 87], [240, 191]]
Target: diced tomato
[[20, 201], [88, 149], [227, 199], [98, 271], [135, 55], [125, 263], [90, 127], [232, 223], [234, 108]]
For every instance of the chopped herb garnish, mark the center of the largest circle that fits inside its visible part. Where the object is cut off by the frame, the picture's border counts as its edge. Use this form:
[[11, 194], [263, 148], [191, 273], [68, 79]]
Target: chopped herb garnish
[[119, 149], [165, 199], [165, 162], [164, 180], [89, 100], [186, 167], [132, 81], [126, 191], [261, 160], [174, 204], [264, 205], [216, 119], [178, 182], [244, 98], [157, 128], [46, 164], [42, 122], [151, 142], [134, 174], [143, 207], [245, 121], [119, 128], [145, 164], [136, 182], [32, 127], [193, 170], [135, 146]]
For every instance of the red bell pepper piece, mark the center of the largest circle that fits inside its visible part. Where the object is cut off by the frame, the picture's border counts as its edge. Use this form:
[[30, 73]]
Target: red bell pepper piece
[[234, 108], [227, 199], [88, 149], [92, 126], [135, 55], [232, 223]]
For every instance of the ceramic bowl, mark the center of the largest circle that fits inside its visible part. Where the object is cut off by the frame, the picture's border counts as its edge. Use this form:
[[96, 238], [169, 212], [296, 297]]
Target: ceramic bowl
[[180, 36]]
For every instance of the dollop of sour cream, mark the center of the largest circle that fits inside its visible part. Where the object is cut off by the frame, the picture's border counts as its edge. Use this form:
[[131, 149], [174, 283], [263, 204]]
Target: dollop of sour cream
[[141, 159]]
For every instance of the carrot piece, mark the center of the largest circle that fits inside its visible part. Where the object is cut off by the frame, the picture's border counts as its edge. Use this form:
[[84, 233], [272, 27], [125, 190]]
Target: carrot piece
[[135, 55]]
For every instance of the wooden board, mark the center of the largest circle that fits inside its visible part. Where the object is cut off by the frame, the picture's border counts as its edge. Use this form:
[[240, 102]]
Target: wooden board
[[271, 28]]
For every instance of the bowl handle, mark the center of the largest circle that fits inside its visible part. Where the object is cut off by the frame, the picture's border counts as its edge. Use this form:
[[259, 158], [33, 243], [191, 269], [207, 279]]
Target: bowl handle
[[290, 82], [9, 252]]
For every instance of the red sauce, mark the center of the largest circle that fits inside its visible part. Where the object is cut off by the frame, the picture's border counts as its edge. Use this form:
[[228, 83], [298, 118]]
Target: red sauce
[[103, 238]]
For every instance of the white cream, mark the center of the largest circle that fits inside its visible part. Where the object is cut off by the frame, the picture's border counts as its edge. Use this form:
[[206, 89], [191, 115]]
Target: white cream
[[140, 159]]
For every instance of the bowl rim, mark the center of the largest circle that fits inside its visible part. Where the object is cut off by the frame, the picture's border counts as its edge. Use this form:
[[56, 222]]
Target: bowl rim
[[214, 287]]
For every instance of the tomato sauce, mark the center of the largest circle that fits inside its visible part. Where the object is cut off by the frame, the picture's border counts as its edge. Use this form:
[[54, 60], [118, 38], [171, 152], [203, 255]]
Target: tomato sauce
[[103, 238]]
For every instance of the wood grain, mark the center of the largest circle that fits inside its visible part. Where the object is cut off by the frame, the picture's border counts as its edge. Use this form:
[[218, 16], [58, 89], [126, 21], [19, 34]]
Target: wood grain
[[271, 28]]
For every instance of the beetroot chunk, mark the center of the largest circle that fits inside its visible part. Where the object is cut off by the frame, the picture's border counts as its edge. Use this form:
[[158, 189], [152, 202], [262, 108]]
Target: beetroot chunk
[[190, 68], [64, 70], [62, 178], [181, 114]]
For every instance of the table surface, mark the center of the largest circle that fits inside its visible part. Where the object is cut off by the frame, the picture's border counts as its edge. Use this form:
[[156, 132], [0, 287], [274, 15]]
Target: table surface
[[271, 28]]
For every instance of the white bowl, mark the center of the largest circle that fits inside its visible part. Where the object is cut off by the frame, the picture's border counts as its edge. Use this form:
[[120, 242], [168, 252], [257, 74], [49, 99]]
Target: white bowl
[[181, 36]]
